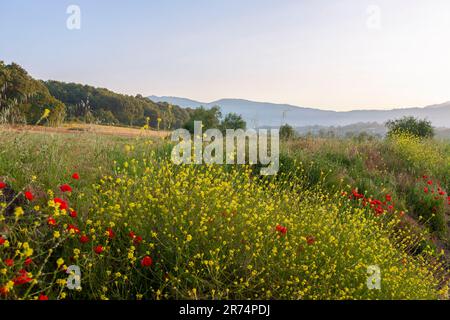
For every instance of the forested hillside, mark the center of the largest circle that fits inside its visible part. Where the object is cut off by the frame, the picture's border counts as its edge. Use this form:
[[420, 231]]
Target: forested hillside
[[23, 100], [85, 102]]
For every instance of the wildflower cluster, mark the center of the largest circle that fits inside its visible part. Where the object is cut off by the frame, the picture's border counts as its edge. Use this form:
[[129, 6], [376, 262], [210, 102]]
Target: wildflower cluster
[[155, 230], [38, 245], [378, 207], [430, 202], [221, 233]]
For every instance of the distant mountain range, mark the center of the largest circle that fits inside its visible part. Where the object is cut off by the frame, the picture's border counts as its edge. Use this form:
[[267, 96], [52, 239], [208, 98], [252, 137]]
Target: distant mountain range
[[259, 114]]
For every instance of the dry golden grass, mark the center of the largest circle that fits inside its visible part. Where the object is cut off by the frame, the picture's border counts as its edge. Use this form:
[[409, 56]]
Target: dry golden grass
[[87, 128]]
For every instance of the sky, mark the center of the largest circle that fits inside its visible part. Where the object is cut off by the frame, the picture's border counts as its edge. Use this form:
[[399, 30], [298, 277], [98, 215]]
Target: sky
[[327, 54]]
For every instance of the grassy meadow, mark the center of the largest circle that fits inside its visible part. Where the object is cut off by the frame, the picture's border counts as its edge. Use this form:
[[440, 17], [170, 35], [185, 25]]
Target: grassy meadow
[[140, 227]]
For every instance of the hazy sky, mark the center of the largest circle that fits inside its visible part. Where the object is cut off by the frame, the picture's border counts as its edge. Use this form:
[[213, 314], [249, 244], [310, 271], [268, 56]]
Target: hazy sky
[[330, 54]]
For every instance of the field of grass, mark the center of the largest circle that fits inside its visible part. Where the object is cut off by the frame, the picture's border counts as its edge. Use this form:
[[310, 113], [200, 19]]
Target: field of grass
[[139, 227], [402, 167], [87, 128]]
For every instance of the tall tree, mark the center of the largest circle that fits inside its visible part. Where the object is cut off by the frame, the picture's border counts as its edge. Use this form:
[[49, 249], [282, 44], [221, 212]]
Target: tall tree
[[210, 118], [26, 98], [233, 121], [410, 125]]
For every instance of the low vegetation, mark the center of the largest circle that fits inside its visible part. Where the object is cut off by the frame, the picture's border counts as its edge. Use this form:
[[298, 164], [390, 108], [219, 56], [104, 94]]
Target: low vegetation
[[140, 227]]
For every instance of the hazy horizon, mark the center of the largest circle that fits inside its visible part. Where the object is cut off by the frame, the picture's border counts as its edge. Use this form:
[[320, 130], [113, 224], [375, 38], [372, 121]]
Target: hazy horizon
[[301, 106], [346, 55]]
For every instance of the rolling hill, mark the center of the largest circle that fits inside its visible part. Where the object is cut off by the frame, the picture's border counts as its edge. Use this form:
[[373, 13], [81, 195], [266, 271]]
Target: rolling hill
[[271, 114]]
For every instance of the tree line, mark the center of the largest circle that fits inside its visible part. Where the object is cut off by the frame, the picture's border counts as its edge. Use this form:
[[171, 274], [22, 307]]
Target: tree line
[[23, 100], [89, 104]]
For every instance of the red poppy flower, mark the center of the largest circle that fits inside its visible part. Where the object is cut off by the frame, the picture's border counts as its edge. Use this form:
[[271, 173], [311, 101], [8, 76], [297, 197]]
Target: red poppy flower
[[357, 195], [425, 190], [72, 227], [388, 198], [146, 261], [98, 249], [310, 240], [76, 176], [43, 297], [137, 240], [84, 239], [132, 234], [281, 229], [430, 182], [2, 240], [28, 261], [29, 196], [441, 193], [22, 278], [3, 291], [111, 233], [73, 214], [62, 204], [378, 211], [375, 202], [2, 185], [65, 188], [9, 262], [51, 221]]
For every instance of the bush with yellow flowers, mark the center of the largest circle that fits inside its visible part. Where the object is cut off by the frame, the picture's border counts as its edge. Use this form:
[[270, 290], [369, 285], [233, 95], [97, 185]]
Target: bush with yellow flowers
[[156, 230]]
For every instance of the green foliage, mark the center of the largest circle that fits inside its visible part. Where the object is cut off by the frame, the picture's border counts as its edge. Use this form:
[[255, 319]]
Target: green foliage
[[108, 107], [412, 126], [419, 156], [429, 202], [377, 167], [233, 121], [24, 99], [212, 234], [287, 132], [210, 118], [106, 117]]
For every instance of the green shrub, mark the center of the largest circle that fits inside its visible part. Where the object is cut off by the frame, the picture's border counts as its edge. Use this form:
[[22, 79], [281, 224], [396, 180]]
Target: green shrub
[[411, 126]]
